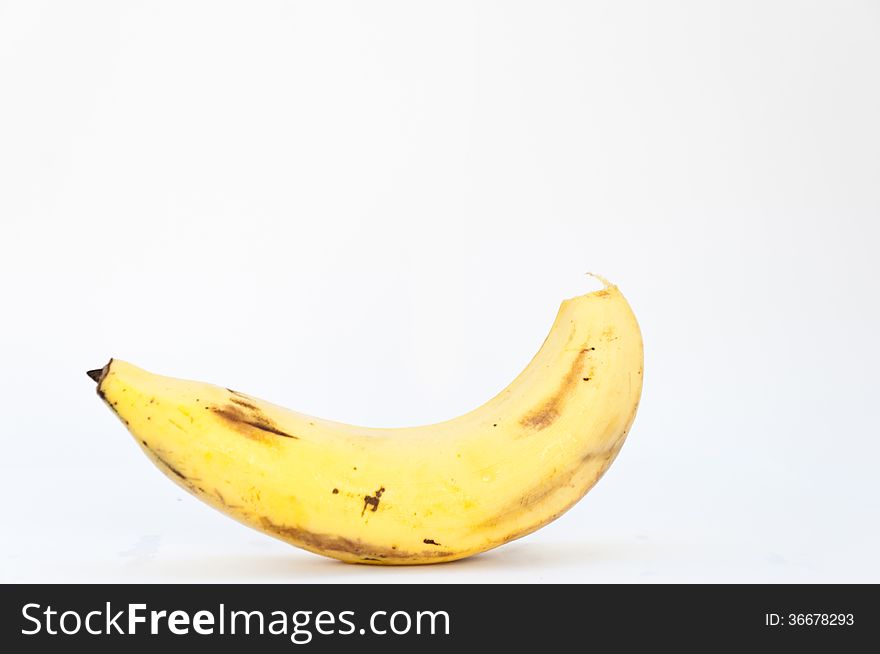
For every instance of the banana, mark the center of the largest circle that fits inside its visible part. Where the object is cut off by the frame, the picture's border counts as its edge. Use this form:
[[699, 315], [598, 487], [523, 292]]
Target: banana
[[406, 495]]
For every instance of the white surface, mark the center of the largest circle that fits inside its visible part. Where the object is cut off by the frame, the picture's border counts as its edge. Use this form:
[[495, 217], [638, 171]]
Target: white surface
[[370, 212]]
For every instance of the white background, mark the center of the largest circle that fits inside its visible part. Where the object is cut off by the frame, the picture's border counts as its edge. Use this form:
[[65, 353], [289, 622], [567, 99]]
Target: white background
[[369, 211]]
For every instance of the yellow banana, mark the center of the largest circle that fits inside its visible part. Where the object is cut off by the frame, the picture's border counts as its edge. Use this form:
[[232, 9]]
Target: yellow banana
[[407, 495]]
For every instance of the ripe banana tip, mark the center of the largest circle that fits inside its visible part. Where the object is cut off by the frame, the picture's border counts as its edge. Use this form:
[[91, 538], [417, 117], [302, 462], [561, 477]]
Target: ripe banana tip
[[98, 374]]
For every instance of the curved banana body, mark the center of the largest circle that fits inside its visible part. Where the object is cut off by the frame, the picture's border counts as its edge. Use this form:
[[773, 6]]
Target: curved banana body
[[407, 495]]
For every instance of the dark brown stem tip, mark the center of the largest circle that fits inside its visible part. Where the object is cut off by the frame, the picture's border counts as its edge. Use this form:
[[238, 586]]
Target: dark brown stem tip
[[98, 374], [95, 374]]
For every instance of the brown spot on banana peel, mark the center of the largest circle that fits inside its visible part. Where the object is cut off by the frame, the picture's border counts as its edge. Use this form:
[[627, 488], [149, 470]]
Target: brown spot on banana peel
[[170, 468], [189, 483], [177, 424], [244, 403], [542, 417], [223, 501], [546, 414], [253, 423], [323, 543], [372, 500]]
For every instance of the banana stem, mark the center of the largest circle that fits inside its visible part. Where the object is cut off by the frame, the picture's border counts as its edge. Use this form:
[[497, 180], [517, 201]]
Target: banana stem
[[97, 374]]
